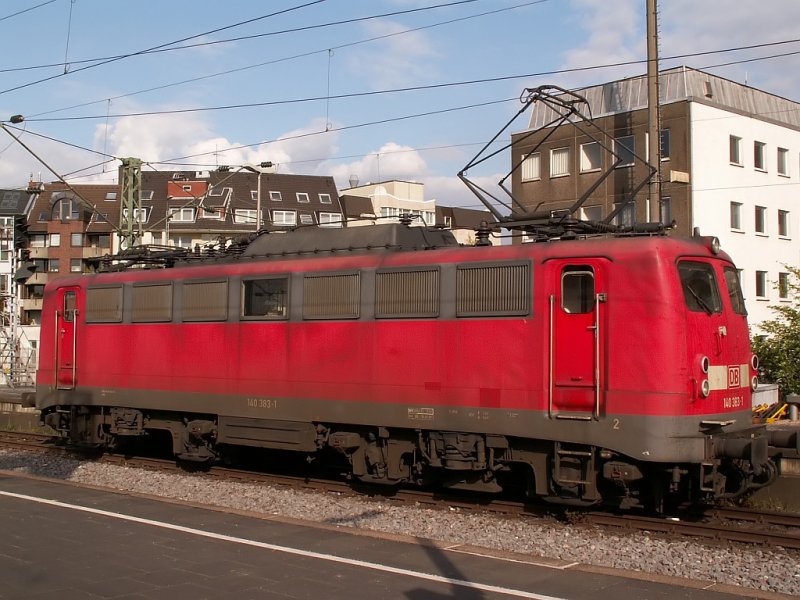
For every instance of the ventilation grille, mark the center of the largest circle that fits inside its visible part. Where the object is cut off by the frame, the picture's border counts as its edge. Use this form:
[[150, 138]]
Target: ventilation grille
[[407, 294], [331, 296], [493, 290]]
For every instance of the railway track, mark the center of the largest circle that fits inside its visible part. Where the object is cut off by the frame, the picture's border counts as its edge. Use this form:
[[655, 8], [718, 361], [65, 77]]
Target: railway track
[[719, 524]]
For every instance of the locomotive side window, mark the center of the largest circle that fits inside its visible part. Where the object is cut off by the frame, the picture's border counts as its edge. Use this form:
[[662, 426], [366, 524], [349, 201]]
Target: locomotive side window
[[69, 306], [577, 290], [493, 290], [265, 298], [407, 293], [104, 305], [151, 303], [735, 290], [699, 287], [205, 301], [331, 296]]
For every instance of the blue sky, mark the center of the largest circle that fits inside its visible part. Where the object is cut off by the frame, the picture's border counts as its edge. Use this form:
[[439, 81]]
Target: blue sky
[[92, 115]]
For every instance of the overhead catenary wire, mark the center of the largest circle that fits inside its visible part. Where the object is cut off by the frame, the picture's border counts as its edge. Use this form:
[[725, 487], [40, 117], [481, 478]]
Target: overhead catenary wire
[[305, 54], [172, 43], [398, 90], [25, 10], [269, 33]]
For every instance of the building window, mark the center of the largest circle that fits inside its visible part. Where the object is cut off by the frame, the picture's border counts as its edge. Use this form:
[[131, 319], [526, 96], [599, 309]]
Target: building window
[[736, 150], [102, 240], [183, 214], [783, 286], [759, 162], [325, 198], [666, 144], [245, 216], [328, 219], [306, 219], [783, 162], [761, 284], [592, 213], [627, 216], [254, 195], [53, 265], [275, 196], [55, 240], [111, 196], [139, 214], [76, 240], [625, 150], [531, 167], [559, 162], [302, 197], [736, 216], [761, 219], [591, 157], [75, 265], [783, 223], [665, 210], [38, 240], [286, 218]]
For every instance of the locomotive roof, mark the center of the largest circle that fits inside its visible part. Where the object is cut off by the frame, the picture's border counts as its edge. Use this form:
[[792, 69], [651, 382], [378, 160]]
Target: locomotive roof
[[314, 240]]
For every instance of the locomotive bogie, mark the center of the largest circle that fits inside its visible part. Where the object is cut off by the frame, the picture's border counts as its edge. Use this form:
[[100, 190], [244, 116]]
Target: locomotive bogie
[[599, 370]]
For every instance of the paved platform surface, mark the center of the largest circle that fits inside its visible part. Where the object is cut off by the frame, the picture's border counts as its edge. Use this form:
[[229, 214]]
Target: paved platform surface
[[69, 542]]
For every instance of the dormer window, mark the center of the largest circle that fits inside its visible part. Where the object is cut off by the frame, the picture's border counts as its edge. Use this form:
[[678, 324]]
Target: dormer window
[[65, 209]]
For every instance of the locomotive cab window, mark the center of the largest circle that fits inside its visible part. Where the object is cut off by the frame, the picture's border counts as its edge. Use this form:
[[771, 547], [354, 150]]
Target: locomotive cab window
[[69, 306], [266, 298], [577, 290], [700, 288], [735, 290]]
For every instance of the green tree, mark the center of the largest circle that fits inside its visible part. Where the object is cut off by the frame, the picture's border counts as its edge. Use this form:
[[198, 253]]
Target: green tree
[[779, 350]]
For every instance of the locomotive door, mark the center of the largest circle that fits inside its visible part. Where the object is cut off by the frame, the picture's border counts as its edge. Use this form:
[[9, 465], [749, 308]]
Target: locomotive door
[[576, 296], [66, 337]]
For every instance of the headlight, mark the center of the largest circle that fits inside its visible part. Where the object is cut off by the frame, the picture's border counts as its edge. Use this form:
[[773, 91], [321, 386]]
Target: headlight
[[754, 362], [705, 388], [754, 383], [705, 363]]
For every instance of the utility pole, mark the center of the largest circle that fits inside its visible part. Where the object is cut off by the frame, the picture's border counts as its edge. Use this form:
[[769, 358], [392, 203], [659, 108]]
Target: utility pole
[[130, 217], [653, 120]]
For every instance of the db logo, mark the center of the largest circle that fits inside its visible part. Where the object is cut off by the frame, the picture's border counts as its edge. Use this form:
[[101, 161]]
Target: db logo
[[734, 377]]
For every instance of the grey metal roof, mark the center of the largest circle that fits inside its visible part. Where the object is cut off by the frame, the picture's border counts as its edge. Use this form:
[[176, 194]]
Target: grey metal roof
[[14, 202], [680, 84]]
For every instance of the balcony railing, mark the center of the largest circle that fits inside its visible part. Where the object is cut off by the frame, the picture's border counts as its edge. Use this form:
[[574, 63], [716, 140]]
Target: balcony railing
[[95, 252], [32, 304]]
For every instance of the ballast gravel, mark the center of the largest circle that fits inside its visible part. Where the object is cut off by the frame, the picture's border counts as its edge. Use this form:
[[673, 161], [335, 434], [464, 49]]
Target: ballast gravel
[[775, 570]]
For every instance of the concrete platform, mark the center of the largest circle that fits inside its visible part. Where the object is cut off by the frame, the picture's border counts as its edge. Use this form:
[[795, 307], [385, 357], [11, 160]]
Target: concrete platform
[[71, 542]]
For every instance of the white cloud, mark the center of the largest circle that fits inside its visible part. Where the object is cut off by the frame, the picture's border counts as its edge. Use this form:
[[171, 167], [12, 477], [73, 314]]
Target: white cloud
[[390, 161], [616, 32]]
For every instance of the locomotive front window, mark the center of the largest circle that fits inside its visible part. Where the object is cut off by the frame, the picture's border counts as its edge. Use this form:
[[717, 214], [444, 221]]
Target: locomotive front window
[[577, 290], [735, 290], [700, 288], [265, 298]]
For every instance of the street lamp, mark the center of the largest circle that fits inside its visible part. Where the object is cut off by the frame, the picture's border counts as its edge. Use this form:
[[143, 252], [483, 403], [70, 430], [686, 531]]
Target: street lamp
[[259, 169]]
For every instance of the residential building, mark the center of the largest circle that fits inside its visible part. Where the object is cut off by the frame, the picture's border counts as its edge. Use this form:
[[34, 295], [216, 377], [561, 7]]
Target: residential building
[[388, 200], [187, 208], [729, 168]]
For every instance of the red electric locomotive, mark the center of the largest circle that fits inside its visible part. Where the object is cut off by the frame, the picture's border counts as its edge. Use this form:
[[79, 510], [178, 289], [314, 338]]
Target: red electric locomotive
[[607, 369]]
